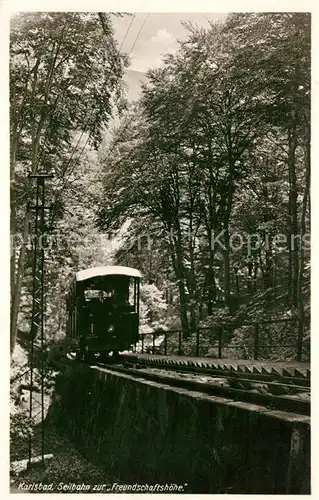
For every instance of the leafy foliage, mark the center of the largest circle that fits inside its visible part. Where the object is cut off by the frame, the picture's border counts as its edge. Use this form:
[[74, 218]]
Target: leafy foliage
[[218, 144], [65, 77]]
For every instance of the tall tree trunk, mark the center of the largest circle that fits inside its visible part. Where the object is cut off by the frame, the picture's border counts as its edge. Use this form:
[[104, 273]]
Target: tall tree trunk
[[183, 300], [227, 251], [16, 287], [191, 281], [227, 285], [37, 125], [293, 195], [211, 299], [13, 249], [303, 230], [210, 227], [211, 284]]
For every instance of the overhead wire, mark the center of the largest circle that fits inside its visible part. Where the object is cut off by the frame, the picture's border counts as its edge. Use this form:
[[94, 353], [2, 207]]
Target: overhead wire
[[75, 147], [58, 99], [118, 54], [91, 114], [140, 31], [133, 45], [127, 31], [40, 154], [130, 52]]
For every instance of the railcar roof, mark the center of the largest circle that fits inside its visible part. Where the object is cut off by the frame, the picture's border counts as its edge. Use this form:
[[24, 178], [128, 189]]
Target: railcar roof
[[93, 272]]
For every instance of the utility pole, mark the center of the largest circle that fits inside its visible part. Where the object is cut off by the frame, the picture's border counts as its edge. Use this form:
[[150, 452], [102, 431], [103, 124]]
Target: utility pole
[[37, 319]]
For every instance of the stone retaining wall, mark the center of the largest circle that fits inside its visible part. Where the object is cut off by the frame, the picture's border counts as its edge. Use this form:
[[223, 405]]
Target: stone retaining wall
[[146, 432]]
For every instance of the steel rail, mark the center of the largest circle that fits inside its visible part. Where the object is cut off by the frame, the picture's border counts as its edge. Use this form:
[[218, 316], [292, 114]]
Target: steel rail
[[285, 402]]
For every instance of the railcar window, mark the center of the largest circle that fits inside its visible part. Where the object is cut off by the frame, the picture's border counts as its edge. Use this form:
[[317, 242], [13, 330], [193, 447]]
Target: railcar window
[[92, 294], [132, 292], [118, 291], [98, 294]]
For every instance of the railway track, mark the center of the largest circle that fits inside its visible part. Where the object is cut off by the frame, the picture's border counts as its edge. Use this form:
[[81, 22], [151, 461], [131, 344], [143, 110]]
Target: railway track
[[284, 394], [195, 367]]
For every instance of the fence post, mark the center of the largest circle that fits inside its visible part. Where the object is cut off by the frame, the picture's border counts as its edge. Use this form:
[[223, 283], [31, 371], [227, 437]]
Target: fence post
[[220, 341], [299, 341], [197, 342], [256, 341], [142, 344], [180, 342], [153, 343], [165, 343]]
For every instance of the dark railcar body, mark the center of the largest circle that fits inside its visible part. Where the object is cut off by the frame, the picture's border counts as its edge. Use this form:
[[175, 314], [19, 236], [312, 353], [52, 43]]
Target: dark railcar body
[[103, 310]]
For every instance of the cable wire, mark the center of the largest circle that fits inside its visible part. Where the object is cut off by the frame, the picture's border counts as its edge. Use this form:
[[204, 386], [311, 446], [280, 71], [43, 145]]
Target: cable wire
[[140, 31], [131, 50], [127, 31], [75, 147], [84, 130]]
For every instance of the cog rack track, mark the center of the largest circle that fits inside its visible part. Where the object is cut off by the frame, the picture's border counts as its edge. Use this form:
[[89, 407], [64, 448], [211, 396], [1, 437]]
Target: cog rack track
[[262, 391], [266, 373]]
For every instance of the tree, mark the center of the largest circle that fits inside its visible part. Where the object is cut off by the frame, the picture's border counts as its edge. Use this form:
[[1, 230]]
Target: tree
[[278, 45], [198, 110], [65, 71], [216, 125]]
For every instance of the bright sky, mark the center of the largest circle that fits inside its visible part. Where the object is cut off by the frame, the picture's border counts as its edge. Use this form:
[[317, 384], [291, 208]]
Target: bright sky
[[147, 37], [158, 36]]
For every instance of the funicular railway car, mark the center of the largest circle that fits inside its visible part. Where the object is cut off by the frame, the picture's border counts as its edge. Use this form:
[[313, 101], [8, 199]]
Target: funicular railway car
[[103, 311]]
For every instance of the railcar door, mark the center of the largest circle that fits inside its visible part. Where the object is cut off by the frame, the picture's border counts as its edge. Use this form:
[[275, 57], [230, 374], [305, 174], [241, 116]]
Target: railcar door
[[132, 314]]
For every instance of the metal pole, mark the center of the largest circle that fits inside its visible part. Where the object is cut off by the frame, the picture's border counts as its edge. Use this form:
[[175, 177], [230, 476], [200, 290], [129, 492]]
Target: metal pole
[[41, 265], [34, 309], [37, 320]]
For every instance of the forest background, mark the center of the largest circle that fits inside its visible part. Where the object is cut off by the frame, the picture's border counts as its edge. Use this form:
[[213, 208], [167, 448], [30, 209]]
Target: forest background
[[218, 143]]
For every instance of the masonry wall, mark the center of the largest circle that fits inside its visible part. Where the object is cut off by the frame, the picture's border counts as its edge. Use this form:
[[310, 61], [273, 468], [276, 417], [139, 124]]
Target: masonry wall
[[148, 432]]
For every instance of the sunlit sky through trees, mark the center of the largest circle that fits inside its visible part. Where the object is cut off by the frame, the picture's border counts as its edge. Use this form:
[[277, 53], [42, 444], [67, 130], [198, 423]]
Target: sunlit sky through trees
[[151, 36]]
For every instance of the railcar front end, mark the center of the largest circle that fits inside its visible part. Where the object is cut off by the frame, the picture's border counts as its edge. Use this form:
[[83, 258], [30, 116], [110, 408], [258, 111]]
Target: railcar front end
[[103, 310]]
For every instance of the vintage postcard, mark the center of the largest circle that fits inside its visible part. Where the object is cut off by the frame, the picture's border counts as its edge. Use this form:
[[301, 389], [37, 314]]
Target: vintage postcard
[[159, 163]]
